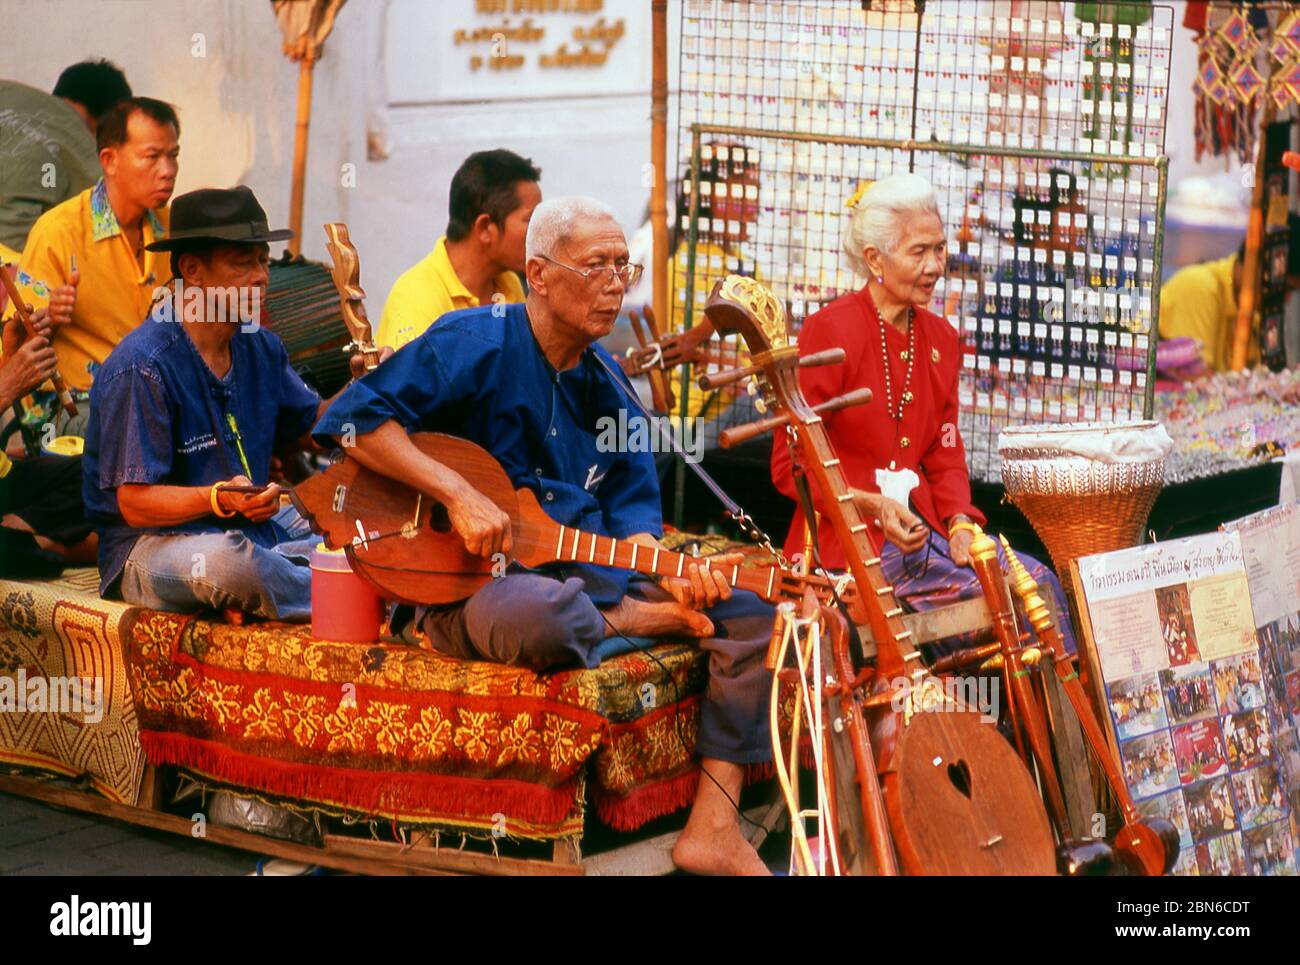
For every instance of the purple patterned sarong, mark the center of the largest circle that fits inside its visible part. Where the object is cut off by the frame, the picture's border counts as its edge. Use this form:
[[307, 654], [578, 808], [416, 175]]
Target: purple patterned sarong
[[929, 579]]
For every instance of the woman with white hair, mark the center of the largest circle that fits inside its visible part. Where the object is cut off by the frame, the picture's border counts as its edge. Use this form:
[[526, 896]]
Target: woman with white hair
[[902, 452]]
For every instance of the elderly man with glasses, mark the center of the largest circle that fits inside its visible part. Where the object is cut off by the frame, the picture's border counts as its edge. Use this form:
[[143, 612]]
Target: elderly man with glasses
[[529, 383]]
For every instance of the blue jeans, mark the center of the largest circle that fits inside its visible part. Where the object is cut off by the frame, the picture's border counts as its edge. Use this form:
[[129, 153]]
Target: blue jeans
[[180, 572]]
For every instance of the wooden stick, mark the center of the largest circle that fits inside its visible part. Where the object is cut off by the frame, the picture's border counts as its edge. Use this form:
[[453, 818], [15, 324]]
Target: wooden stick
[[1248, 298], [305, 67], [65, 397], [659, 163], [661, 395]]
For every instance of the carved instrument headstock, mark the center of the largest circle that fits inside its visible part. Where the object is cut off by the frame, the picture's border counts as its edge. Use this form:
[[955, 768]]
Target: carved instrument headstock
[[346, 272], [742, 305]]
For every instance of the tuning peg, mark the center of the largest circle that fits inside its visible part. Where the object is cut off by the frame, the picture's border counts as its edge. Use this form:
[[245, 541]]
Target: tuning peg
[[856, 397], [743, 433], [830, 356], [716, 380]]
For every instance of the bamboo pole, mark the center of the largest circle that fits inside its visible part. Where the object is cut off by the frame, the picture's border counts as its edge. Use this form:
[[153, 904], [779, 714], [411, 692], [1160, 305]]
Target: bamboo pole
[[305, 67], [659, 160], [1248, 297]]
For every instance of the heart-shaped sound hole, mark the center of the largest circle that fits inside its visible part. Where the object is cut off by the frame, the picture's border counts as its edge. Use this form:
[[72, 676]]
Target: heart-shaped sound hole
[[959, 774]]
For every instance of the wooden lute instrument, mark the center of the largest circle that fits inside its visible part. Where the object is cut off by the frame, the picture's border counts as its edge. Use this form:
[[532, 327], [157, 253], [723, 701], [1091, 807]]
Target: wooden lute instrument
[[958, 798], [402, 542]]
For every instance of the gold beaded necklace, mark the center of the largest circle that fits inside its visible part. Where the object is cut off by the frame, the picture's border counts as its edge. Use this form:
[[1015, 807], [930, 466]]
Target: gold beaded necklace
[[906, 396]]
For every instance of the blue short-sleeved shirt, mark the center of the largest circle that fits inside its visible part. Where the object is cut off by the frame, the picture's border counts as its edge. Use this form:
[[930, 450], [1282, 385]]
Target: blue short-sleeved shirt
[[158, 415], [483, 377]]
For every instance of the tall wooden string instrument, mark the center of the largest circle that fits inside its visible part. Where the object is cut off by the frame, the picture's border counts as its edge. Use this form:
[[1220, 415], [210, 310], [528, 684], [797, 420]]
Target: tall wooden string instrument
[[958, 798], [1147, 846]]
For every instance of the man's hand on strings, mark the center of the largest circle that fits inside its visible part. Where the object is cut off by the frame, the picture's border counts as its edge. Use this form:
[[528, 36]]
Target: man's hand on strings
[[702, 585], [481, 523]]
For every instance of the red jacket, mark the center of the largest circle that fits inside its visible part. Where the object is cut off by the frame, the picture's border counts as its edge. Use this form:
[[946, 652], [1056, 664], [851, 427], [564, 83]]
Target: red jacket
[[863, 436]]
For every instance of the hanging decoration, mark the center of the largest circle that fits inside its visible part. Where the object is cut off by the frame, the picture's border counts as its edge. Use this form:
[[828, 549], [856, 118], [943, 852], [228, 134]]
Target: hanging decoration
[[1248, 70]]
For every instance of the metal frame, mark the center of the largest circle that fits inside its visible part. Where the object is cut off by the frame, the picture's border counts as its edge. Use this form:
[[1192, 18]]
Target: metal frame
[[1160, 163]]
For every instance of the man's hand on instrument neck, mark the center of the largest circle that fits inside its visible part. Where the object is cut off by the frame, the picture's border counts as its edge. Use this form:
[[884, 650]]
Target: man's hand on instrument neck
[[678, 613], [701, 585]]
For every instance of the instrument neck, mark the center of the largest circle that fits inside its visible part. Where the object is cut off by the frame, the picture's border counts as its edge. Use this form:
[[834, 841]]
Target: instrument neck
[[895, 654], [568, 545]]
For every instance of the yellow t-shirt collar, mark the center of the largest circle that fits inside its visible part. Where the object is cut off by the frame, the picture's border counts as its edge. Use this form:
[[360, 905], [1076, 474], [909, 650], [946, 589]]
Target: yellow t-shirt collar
[[455, 287]]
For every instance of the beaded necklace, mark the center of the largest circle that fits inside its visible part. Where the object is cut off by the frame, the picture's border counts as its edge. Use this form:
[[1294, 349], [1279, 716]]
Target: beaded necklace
[[906, 396]]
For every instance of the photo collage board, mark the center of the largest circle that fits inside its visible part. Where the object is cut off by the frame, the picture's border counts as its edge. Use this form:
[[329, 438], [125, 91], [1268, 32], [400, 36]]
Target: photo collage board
[[1201, 718]]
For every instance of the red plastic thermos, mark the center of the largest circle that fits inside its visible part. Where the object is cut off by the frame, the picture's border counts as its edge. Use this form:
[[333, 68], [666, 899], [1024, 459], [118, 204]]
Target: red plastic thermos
[[343, 605]]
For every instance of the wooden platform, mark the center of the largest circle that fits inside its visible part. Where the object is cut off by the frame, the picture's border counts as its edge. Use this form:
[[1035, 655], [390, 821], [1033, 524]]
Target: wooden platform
[[648, 856]]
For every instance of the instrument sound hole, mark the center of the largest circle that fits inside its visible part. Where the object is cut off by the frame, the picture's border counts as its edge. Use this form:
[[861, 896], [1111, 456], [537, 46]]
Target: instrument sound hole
[[959, 774], [439, 521]]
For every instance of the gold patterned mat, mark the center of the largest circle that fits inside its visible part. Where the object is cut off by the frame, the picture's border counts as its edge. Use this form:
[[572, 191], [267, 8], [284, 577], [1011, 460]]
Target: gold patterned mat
[[65, 698]]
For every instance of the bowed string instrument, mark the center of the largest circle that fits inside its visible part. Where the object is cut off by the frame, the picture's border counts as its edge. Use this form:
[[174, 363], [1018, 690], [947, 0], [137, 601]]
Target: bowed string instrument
[[957, 797]]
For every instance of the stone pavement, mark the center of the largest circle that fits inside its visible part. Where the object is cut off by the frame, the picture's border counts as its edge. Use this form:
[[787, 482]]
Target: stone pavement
[[37, 839]]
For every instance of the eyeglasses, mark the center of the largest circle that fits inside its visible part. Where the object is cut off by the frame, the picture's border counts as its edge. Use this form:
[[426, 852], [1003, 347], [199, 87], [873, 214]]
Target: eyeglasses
[[628, 274]]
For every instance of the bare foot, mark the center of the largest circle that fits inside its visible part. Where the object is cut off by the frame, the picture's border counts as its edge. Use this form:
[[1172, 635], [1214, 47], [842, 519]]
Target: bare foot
[[717, 851], [637, 618]]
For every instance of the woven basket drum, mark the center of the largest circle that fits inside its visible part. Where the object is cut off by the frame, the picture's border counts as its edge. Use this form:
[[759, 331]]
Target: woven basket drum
[[1078, 505]]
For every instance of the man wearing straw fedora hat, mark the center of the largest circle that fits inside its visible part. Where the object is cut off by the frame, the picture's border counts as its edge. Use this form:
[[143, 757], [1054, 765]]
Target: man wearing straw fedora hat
[[185, 417]]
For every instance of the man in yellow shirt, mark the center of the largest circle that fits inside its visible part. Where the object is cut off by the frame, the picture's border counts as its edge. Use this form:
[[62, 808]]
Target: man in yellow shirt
[[493, 195], [1200, 302], [96, 240]]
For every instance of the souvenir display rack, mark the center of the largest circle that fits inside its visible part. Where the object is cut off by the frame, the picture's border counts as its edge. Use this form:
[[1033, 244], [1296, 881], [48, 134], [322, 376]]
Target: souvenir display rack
[[1041, 133]]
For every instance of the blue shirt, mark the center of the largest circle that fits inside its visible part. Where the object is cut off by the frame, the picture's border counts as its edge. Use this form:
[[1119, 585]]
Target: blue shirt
[[158, 415], [480, 374]]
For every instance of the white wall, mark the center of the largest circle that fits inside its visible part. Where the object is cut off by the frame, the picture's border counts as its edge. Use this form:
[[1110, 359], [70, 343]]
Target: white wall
[[237, 105]]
